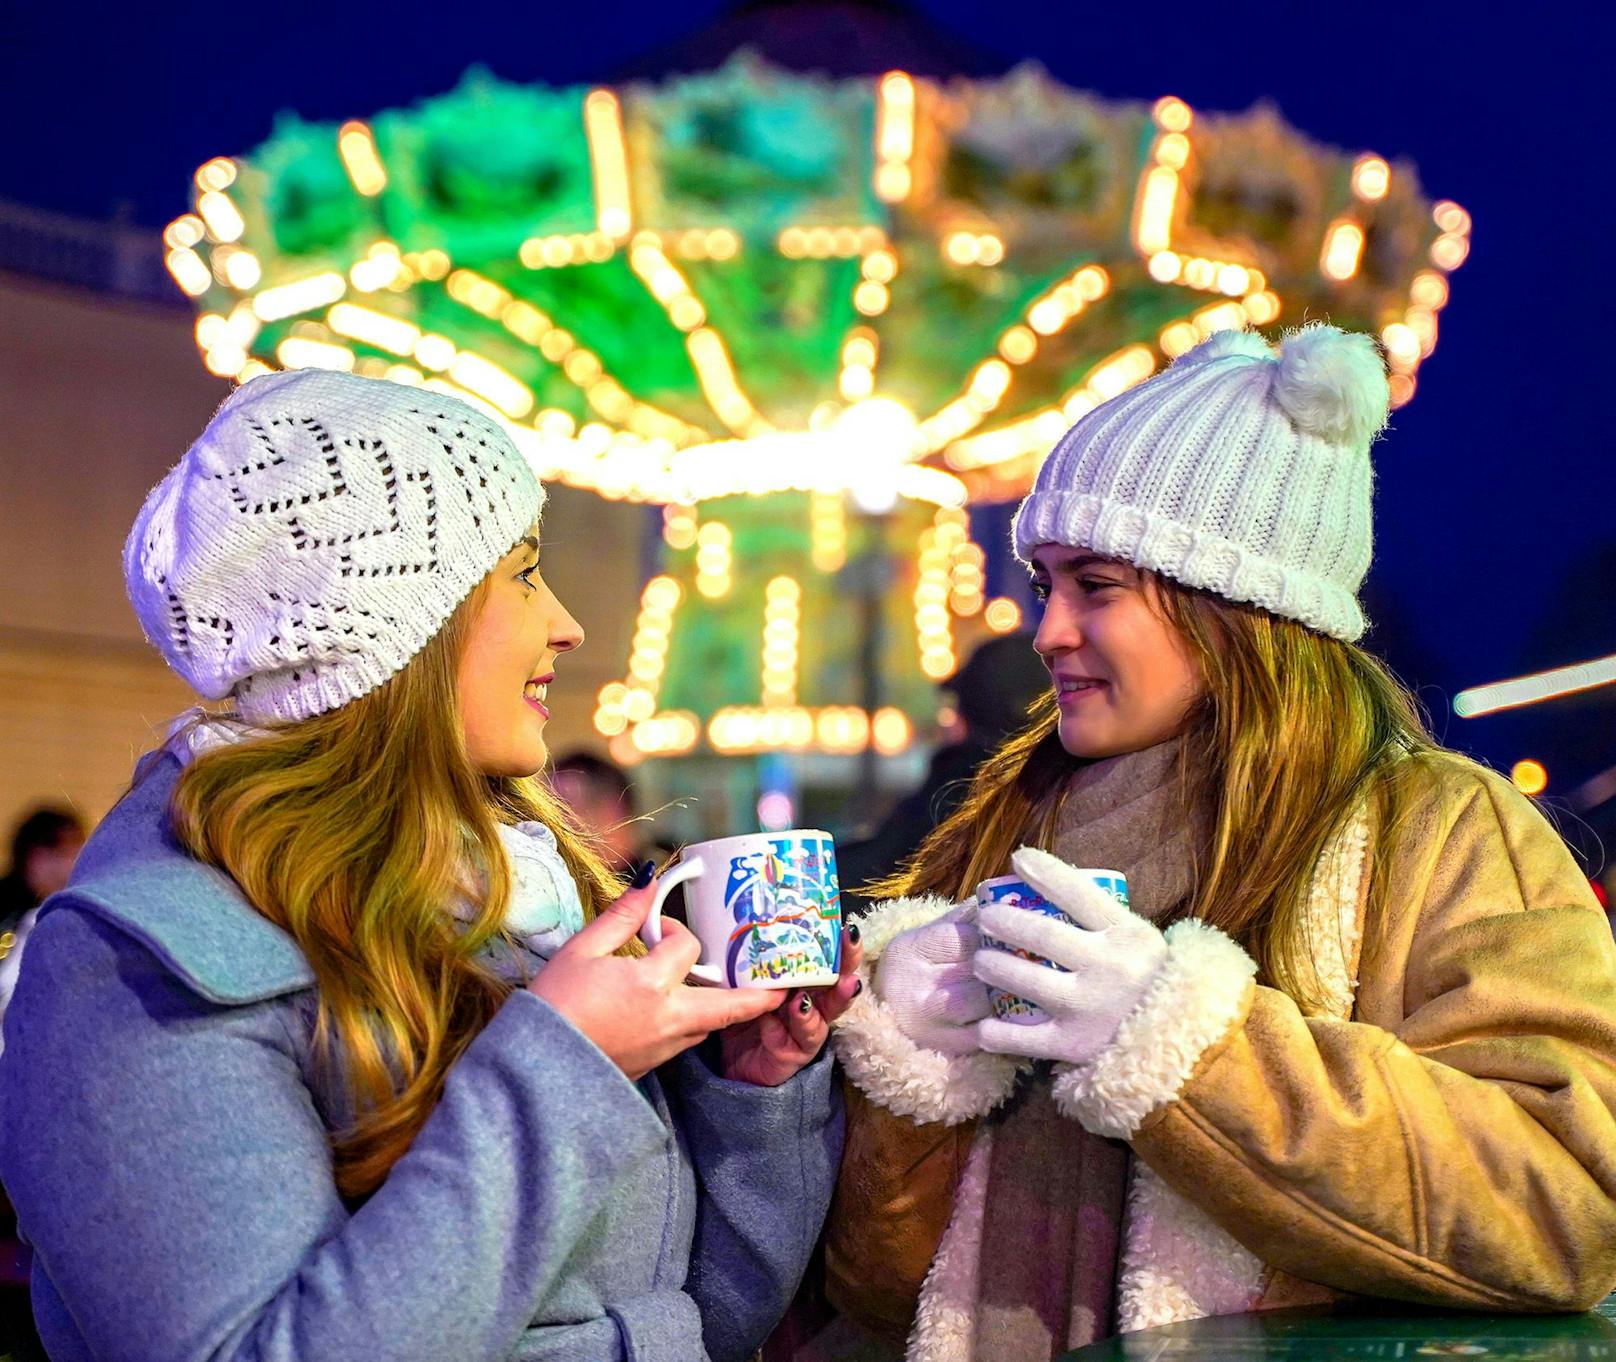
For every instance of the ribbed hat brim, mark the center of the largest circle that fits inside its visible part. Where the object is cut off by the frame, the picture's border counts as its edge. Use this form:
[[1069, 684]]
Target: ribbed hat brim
[[1188, 555]]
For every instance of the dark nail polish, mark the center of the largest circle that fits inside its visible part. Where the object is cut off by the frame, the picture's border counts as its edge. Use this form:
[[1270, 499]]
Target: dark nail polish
[[858, 988], [805, 1004], [853, 933], [642, 876]]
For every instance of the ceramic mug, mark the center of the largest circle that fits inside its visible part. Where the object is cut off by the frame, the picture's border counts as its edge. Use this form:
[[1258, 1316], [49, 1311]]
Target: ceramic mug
[[1017, 893], [766, 907]]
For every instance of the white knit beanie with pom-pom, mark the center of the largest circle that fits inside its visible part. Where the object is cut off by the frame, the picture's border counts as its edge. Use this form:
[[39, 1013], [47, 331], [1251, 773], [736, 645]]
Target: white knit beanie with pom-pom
[[317, 535], [1240, 469]]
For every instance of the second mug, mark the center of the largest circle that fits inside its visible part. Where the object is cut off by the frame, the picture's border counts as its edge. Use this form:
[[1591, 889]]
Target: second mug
[[1017, 893]]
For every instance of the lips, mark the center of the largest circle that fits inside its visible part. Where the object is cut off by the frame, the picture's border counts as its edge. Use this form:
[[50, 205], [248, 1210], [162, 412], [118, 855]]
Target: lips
[[536, 692], [1070, 690]]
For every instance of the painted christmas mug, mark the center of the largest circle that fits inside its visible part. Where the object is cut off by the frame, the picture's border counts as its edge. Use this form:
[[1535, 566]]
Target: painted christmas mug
[[1016, 893], [766, 907]]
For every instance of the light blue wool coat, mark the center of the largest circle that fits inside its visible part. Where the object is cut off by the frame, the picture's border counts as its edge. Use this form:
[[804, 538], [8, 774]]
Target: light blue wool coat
[[164, 1136]]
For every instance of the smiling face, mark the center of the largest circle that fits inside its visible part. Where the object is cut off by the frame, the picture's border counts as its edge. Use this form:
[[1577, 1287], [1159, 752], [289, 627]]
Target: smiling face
[[508, 664], [1124, 678]]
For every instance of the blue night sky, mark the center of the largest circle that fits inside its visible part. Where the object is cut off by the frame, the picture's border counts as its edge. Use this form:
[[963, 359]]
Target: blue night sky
[[1497, 492]]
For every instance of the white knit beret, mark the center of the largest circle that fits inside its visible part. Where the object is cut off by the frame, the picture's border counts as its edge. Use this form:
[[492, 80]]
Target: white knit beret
[[1240, 469], [318, 534]]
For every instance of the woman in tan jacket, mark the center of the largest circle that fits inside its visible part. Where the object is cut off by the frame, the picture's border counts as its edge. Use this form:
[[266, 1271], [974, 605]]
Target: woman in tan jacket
[[1357, 1032]]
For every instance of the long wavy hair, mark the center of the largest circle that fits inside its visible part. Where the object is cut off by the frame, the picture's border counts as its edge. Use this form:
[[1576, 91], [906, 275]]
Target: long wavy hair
[[355, 831], [1292, 733]]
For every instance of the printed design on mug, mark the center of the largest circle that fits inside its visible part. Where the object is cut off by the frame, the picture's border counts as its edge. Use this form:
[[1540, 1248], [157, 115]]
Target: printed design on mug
[[787, 911], [1010, 1006]]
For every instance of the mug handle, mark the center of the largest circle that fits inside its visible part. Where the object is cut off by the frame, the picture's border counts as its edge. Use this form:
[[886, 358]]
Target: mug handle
[[651, 930]]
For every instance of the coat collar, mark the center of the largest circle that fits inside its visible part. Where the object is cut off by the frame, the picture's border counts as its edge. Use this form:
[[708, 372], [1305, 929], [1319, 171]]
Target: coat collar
[[192, 917]]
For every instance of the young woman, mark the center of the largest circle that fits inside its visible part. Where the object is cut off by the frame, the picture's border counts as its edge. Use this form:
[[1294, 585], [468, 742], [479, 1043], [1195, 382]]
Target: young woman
[[1357, 1033], [340, 1043]]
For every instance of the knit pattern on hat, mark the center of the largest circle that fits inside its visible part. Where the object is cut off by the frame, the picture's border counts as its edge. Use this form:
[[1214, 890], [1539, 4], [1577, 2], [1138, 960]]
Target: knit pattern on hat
[[318, 534], [1240, 469]]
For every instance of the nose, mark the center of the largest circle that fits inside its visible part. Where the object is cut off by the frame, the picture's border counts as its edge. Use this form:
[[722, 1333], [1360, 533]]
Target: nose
[[565, 632], [1058, 630]]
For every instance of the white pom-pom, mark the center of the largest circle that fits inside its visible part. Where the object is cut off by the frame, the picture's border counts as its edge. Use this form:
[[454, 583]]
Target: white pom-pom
[[1222, 344], [1332, 383]]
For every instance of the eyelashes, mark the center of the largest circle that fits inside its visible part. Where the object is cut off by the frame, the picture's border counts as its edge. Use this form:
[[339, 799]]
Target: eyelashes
[[1090, 586]]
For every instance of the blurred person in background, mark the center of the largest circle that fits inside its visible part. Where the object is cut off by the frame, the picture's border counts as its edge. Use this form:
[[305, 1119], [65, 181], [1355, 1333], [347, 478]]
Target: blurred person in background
[[992, 693], [599, 794], [43, 849]]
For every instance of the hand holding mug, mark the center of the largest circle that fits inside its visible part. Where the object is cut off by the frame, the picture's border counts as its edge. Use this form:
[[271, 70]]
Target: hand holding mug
[[1083, 968], [770, 1049], [641, 1013], [766, 908], [925, 981]]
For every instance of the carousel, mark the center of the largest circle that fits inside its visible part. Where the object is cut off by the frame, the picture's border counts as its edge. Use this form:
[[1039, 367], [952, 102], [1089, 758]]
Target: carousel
[[824, 329]]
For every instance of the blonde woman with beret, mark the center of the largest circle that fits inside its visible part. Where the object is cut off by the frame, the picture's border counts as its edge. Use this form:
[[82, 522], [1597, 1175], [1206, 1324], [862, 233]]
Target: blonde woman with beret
[[340, 1043]]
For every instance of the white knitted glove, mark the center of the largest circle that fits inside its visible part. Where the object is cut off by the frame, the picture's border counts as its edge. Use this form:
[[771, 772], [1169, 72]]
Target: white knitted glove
[[1113, 955], [924, 980]]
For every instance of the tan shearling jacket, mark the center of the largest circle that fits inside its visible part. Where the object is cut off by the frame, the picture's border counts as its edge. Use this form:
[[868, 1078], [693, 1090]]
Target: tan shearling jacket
[[1445, 1132]]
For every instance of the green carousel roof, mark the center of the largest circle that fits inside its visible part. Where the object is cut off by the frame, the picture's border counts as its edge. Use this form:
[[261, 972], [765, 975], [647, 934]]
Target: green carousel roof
[[762, 299]]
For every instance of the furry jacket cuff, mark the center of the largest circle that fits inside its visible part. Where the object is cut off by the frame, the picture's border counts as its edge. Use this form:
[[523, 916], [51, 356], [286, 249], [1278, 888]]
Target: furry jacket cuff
[[1202, 992], [892, 1070]]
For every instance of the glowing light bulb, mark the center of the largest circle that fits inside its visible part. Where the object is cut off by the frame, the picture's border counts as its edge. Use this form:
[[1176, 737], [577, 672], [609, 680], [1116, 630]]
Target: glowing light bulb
[[357, 148], [1530, 777], [1172, 114], [224, 221], [1371, 177], [1165, 266], [1402, 344], [874, 438], [1002, 615], [1343, 248]]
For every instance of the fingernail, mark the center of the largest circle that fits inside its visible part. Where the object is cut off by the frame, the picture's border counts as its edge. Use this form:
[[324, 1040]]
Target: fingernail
[[805, 1004], [858, 988], [853, 933], [642, 876]]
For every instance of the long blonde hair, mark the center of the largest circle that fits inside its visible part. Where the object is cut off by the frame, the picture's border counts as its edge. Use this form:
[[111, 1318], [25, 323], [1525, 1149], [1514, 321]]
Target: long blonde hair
[[354, 831], [1293, 732]]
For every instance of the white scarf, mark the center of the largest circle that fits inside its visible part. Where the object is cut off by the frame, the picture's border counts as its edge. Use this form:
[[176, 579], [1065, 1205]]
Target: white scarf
[[544, 907]]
